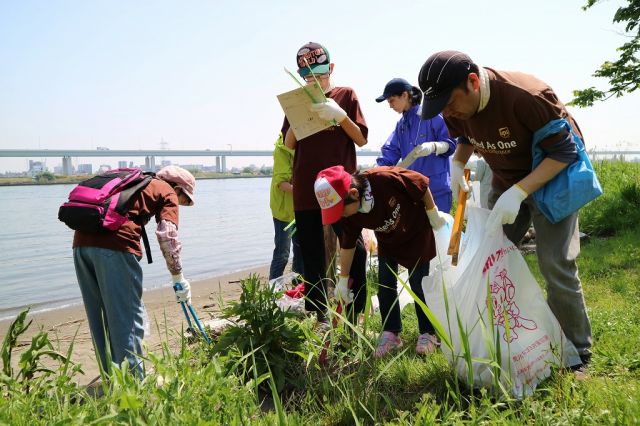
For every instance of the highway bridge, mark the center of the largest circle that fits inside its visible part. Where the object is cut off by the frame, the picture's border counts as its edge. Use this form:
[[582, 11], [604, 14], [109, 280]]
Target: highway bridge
[[219, 155], [148, 154]]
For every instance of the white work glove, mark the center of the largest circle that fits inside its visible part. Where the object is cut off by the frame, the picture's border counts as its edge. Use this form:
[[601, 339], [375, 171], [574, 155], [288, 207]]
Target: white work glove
[[329, 111], [424, 150], [183, 295], [429, 148], [506, 208], [437, 219], [457, 179], [343, 292]]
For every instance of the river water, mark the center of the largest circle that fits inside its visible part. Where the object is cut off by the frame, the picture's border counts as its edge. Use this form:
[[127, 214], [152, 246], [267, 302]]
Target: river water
[[228, 229]]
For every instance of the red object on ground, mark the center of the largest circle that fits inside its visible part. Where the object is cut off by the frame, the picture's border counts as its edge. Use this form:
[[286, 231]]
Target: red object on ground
[[323, 358], [297, 292]]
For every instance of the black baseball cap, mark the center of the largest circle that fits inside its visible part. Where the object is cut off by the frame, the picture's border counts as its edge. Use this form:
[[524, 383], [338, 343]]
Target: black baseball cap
[[394, 87], [441, 73]]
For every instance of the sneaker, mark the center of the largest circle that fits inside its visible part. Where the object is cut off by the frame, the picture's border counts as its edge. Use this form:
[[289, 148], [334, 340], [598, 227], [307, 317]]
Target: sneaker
[[427, 343], [389, 341], [581, 371]]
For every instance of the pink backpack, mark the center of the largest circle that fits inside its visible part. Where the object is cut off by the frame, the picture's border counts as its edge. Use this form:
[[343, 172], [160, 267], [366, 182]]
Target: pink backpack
[[101, 204]]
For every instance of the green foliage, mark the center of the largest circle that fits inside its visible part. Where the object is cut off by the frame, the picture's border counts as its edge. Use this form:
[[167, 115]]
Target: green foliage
[[44, 177], [267, 339], [623, 74], [618, 208], [31, 360]]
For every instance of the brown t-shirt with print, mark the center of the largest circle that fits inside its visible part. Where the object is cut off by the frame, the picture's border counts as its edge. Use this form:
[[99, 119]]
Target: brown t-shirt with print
[[519, 104], [398, 217], [330, 147], [157, 199]]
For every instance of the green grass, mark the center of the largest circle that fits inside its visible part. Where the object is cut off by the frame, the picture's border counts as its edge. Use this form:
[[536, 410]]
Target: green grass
[[198, 384]]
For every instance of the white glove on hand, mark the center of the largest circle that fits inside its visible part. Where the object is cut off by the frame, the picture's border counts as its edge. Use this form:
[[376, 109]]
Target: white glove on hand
[[429, 148], [424, 150], [183, 295], [437, 219], [457, 179], [329, 111], [343, 292], [506, 208]]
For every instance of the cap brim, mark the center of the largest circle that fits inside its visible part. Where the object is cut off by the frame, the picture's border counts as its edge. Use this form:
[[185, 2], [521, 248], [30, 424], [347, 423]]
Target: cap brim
[[332, 214], [381, 98], [433, 107], [317, 69]]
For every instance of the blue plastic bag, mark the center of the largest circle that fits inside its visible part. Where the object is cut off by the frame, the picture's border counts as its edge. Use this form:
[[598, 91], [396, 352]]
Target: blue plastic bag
[[573, 187]]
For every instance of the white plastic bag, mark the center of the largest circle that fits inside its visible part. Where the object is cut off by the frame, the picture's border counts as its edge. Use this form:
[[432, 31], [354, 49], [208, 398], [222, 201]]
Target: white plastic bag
[[533, 340], [292, 304], [283, 282]]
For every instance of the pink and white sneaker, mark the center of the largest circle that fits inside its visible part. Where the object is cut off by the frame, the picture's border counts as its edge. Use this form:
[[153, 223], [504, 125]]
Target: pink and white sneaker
[[389, 342], [427, 343]]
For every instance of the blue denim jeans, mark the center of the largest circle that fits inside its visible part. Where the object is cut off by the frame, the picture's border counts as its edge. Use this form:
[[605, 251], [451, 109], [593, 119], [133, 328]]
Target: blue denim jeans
[[111, 286], [388, 295], [282, 242]]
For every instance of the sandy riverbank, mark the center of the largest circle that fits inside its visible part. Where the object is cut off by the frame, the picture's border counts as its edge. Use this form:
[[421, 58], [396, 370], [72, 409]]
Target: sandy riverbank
[[164, 313]]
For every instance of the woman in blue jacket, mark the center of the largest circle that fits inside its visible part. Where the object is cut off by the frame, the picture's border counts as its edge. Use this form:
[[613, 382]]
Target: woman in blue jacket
[[422, 145]]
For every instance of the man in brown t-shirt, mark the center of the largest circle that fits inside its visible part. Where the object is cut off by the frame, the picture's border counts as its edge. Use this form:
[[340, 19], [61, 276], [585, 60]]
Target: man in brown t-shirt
[[332, 146], [110, 277], [497, 113], [397, 205]]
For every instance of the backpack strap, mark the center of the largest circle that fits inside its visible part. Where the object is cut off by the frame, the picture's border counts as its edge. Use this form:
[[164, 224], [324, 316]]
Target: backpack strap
[[147, 246]]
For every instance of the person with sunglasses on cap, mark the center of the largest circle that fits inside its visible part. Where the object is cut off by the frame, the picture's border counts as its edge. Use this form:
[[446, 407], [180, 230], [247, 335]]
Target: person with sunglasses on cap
[[497, 113], [422, 145], [398, 206], [109, 274], [332, 146]]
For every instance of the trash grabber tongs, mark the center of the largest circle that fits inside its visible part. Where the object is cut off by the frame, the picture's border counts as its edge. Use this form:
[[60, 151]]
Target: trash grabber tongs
[[188, 308], [456, 233]]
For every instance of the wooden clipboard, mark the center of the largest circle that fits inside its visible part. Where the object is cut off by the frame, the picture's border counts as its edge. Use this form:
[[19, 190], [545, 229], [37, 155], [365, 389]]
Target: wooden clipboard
[[456, 233]]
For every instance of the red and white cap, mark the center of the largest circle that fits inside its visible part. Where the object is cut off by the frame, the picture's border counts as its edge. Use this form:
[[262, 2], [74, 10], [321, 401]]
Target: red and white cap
[[331, 186]]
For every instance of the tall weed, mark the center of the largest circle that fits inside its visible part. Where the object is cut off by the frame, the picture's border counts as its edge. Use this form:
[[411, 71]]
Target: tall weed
[[267, 339]]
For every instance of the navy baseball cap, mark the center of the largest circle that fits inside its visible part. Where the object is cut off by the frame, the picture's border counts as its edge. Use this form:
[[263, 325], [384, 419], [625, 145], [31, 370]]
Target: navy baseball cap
[[440, 74], [394, 87], [315, 56]]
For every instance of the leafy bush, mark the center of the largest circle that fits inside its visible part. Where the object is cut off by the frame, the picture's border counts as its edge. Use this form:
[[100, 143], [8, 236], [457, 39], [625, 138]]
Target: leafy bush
[[618, 208], [44, 177], [269, 340]]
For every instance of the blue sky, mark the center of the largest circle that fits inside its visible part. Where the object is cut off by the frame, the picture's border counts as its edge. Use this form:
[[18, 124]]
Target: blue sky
[[204, 74]]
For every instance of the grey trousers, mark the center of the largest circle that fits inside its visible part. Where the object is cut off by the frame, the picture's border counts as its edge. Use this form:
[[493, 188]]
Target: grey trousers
[[557, 247], [111, 286]]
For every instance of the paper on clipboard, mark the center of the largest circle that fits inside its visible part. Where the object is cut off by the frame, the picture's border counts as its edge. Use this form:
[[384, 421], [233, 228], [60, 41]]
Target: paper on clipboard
[[302, 120]]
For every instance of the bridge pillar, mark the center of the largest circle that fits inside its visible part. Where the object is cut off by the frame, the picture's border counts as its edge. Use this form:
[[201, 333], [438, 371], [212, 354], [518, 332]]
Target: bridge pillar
[[67, 167], [218, 170], [223, 160], [150, 163]]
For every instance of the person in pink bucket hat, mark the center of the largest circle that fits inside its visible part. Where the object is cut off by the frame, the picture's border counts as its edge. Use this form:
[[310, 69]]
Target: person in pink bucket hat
[[109, 274], [398, 206]]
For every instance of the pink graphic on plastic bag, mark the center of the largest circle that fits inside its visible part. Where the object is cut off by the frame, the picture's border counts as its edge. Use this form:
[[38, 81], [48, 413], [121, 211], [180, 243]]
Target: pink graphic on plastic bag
[[503, 297]]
